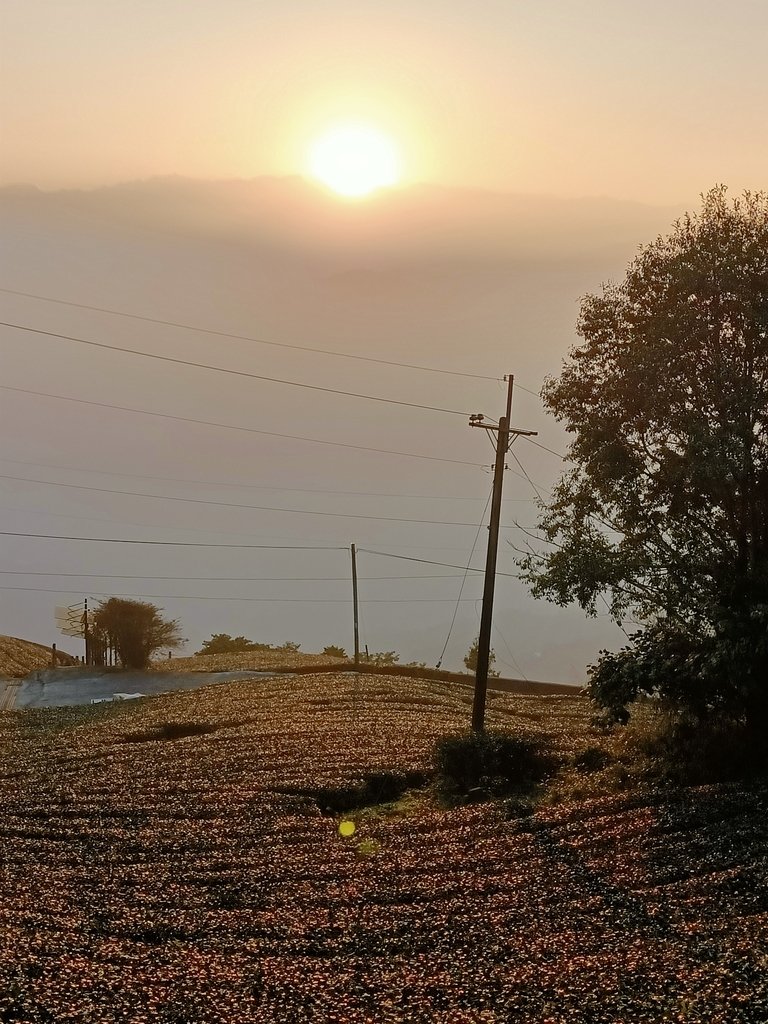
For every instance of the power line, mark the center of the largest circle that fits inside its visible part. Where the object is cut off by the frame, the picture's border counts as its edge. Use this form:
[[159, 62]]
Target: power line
[[242, 486], [271, 600], [463, 582], [149, 526], [231, 426], [223, 369], [245, 337], [231, 504], [220, 579], [427, 561], [190, 529], [525, 474], [551, 451], [177, 543], [509, 652]]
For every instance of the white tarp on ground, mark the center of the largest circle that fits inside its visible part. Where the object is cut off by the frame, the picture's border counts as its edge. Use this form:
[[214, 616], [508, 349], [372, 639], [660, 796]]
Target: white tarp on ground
[[116, 696]]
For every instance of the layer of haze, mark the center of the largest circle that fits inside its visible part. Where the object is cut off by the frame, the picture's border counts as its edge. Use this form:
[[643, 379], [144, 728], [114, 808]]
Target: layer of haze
[[153, 159], [457, 279], [651, 101]]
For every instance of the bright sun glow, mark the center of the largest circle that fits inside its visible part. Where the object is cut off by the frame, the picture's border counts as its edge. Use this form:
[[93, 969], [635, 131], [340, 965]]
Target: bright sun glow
[[354, 160]]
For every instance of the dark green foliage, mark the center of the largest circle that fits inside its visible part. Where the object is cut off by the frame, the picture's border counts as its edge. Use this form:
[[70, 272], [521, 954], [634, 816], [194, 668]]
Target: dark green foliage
[[665, 513], [290, 646], [381, 658], [223, 643], [470, 659], [495, 763], [334, 652], [135, 629], [717, 674], [685, 751], [592, 759], [375, 788]]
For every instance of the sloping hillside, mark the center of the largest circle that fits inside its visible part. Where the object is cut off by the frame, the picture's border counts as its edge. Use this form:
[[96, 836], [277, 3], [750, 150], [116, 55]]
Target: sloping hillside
[[20, 657], [177, 859], [259, 661]]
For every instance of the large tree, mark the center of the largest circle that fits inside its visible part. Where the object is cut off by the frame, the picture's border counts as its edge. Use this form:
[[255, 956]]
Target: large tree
[[664, 513], [136, 630]]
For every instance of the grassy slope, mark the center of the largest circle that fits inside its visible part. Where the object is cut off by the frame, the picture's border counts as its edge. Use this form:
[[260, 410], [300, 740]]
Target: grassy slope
[[19, 657], [187, 880]]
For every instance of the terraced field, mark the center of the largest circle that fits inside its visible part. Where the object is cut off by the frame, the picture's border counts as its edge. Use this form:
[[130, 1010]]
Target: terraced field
[[258, 661], [19, 657], [179, 861]]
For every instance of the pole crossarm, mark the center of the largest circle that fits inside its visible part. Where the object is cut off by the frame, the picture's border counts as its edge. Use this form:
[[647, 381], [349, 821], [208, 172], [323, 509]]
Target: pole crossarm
[[497, 427]]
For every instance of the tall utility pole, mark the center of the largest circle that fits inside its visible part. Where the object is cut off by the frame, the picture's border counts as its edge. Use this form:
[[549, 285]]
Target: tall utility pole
[[504, 434], [354, 604]]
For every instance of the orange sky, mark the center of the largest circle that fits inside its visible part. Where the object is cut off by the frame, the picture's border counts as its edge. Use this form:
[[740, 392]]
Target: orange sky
[[655, 101]]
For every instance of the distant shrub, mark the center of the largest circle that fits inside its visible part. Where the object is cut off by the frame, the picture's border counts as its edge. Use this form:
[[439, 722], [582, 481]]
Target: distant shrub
[[470, 659], [290, 646], [335, 652], [223, 643], [382, 658], [494, 762]]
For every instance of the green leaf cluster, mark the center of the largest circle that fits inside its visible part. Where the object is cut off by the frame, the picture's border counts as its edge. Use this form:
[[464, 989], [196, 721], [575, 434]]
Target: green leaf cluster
[[664, 513]]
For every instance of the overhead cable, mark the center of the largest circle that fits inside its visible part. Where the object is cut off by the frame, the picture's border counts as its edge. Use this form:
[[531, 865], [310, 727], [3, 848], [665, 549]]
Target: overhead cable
[[220, 579], [463, 582], [242, 486], [269, 600], [176, 543], [249, 338], [223, 369], [427, 561], [231, 504], [231, 426]]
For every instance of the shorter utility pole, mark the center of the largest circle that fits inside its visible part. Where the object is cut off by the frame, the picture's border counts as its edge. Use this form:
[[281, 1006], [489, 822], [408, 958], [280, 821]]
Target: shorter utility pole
[[504, 435], [87, 634], [355, 611]]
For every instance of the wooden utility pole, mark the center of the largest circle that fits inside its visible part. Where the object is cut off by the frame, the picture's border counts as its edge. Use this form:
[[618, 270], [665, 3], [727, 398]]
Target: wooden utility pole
[[503, 432], [355, 607], [87, 634]]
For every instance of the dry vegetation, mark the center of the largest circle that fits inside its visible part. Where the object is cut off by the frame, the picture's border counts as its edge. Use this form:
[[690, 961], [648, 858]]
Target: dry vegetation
[[258, 661], [171, 861], [20, 657]]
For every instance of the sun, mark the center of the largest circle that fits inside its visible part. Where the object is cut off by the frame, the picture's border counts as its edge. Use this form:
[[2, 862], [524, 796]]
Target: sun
[[355, 160]]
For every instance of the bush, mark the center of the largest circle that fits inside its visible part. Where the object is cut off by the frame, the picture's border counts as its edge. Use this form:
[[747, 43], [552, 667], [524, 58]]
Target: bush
[[495, 762], [335, 652], [684, 750], [223, 643]]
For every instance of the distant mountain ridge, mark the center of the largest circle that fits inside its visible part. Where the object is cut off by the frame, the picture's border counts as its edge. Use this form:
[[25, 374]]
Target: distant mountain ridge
[[419, 219]]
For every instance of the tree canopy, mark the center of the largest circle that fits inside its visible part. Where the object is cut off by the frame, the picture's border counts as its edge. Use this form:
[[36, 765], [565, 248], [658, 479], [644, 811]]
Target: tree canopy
[[664, 513], [470, 659], [136, 630]]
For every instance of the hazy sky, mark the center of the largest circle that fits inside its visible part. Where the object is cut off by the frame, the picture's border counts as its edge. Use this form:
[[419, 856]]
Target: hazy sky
[[654, 101], [515, 121]]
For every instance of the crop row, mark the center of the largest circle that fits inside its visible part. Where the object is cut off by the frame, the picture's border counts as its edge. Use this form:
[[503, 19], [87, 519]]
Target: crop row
[[196, 880]]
